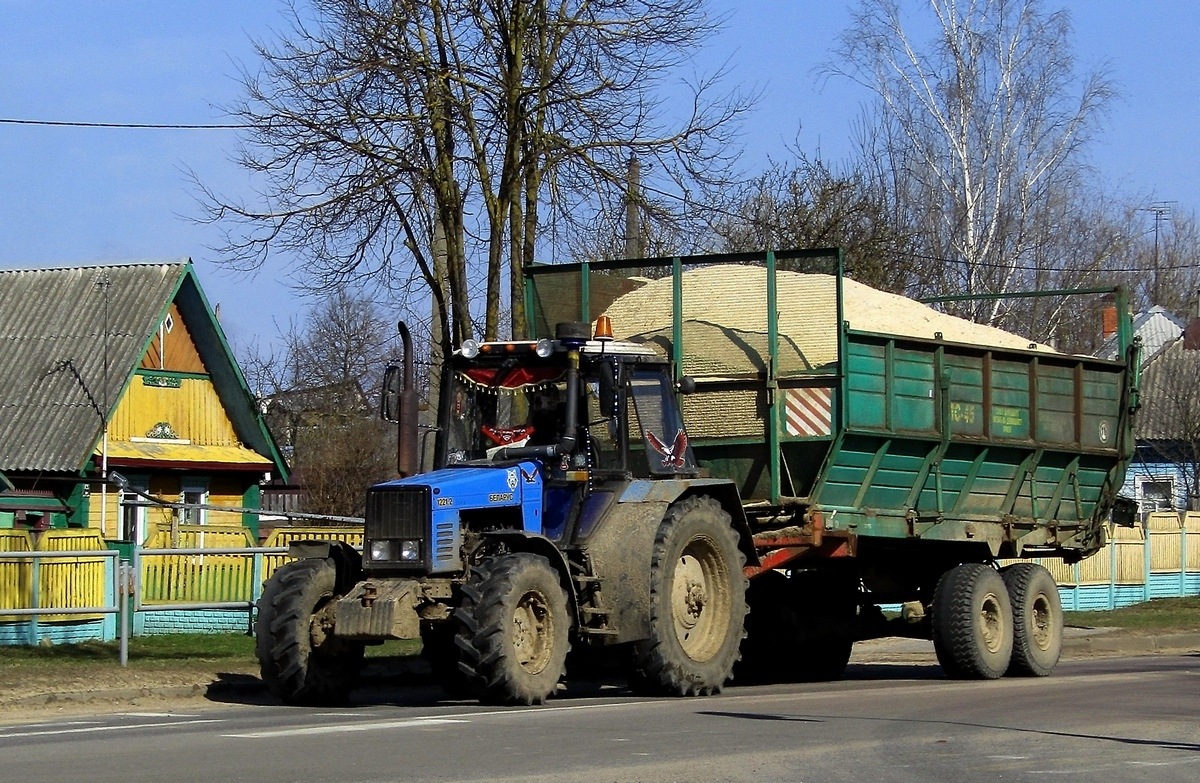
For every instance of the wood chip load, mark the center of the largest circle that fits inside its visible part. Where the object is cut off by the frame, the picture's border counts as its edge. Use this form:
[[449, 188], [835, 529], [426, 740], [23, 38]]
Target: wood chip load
[[725, 332], [725, 319]]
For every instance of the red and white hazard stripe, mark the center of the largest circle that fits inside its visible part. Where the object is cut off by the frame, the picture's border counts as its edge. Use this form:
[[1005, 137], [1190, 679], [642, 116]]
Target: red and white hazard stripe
[[809, 411]]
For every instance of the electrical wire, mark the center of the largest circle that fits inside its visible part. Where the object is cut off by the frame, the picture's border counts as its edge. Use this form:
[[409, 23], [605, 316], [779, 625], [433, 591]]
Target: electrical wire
[[987, 264], [121, 125], [682, 199]]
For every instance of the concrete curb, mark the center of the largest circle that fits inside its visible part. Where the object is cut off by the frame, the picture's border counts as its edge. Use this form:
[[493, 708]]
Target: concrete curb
[[1133, 645]]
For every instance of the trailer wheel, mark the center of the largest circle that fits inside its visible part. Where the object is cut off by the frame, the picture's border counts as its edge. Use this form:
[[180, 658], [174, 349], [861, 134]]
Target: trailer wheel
[[771, 631], [697, 603], [972, 622], [301, 661], [1037, 619], [514, 629], [797, 629], [825, 659]]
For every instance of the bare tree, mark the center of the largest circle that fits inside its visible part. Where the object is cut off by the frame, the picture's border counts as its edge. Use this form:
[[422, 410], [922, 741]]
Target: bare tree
[[806, 204], [317, 389], [378, 124], [984, 128]]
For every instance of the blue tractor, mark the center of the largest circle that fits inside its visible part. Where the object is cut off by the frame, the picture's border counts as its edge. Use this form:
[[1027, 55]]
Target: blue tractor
[[566, 508]]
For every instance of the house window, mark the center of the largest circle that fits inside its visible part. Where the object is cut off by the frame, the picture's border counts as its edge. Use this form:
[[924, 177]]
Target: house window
[[133, 512], [1156, 493], [194, 493]]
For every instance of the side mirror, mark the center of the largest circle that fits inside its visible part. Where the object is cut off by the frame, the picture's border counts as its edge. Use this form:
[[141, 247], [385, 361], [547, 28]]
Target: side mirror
[[609, 389], [393, 388]]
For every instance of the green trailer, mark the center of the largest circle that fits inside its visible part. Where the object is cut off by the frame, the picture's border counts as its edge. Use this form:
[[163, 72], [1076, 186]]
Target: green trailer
[[884, 453]]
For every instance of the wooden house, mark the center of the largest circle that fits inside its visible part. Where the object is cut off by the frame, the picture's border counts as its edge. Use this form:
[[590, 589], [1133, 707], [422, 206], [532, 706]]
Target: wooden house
[[123, 371]]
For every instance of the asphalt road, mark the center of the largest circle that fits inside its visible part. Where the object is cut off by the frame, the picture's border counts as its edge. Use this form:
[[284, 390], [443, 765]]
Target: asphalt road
[[1116, 719]]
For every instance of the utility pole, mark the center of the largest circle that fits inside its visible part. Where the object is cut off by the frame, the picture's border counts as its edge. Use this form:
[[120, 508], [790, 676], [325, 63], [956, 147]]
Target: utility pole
[[103, 283]]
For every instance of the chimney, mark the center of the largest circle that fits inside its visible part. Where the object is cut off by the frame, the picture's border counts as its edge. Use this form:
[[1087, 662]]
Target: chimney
[[1108, 320], [1191, 335]]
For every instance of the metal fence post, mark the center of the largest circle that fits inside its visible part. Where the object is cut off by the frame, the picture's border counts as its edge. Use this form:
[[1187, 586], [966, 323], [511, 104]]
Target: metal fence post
[[256, 572], [35, 599], [1113, 560], [124, 589]]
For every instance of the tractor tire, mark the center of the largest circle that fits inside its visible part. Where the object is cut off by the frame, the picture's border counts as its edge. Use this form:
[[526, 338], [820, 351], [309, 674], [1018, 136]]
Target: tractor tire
[[513, 630], [300, 660], [1037, 620], [697, 603], [442, 655], [972, 623]]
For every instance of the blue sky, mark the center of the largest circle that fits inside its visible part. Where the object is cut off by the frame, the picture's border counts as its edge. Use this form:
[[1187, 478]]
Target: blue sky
[[71, 196]]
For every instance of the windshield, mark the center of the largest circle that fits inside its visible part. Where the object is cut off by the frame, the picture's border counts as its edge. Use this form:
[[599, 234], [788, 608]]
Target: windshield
[[495, 407], [656, 425]]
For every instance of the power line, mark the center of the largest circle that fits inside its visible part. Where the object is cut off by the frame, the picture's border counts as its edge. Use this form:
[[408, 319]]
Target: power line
[[774, 226], [120, 125]]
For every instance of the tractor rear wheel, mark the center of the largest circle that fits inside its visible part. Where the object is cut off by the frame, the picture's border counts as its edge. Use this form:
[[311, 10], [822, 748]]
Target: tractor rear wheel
[[697, 603]]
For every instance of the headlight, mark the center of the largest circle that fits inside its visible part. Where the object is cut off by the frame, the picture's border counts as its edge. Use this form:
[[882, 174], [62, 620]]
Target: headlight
[[410, 550], [381, 550], [469, 349], [543, 348]]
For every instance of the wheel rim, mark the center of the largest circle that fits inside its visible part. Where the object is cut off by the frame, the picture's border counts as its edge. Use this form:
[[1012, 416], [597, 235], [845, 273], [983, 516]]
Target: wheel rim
[[700, 599], [991, 623], [1041, 628], [533, 632]]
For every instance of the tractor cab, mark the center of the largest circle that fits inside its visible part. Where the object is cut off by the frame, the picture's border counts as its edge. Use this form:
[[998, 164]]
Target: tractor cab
[[588, 408]]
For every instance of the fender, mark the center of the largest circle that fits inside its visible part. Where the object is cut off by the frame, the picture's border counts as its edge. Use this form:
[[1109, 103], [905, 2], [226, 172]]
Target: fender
[[723, 491], [535, 544], [346, 560]]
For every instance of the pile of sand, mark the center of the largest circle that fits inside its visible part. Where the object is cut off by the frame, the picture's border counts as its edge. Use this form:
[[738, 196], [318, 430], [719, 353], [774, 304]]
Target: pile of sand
[[725, 315]]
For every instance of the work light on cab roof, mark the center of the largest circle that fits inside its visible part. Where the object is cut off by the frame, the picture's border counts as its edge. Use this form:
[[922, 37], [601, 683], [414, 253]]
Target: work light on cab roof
[[471, 348]]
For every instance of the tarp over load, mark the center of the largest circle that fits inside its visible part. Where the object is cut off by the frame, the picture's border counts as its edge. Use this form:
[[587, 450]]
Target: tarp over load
[[725, 319]]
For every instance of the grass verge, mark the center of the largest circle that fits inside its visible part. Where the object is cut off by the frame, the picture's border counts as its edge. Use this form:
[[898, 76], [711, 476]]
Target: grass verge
[[178, 654], [1161, 615]]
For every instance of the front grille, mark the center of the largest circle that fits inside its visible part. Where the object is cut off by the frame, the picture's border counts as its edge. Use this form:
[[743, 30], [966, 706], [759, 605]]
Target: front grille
[[398, 513]]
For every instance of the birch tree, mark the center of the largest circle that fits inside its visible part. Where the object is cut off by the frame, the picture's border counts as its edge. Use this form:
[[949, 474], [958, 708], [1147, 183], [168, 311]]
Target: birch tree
[[986, 126]]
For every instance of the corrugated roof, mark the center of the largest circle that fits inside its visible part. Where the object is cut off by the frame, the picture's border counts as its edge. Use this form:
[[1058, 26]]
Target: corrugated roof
[[1157, 328], [1170, 395], [55, 330]]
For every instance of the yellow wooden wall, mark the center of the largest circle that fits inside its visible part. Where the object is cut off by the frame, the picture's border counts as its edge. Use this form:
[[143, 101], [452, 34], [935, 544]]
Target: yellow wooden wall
[[174, 350], [223, 490], [193, 410]]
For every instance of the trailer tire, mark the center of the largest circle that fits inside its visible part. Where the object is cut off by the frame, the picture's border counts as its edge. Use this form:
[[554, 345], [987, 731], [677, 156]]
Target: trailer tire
[[1037, 620], [791, 639], [771, 631], [972, 623], [825, 659], [513, 629], [300, 660], [697, 603]]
